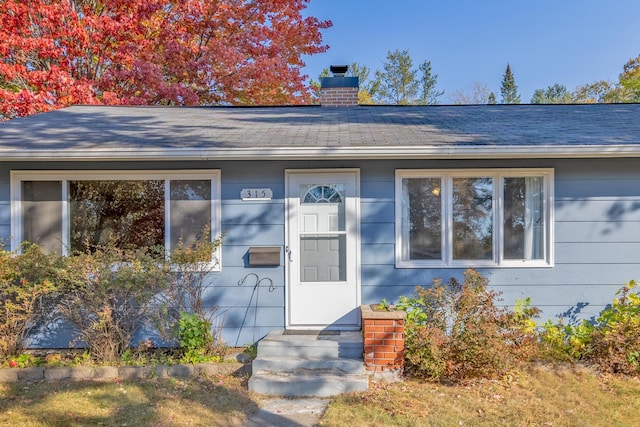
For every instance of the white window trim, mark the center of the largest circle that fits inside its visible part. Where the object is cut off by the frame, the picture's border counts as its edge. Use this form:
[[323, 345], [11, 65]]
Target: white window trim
[[17, 177], [497, 208]]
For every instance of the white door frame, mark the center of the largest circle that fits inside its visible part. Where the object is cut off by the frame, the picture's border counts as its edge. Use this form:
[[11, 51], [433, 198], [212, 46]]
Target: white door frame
[[353, 260]]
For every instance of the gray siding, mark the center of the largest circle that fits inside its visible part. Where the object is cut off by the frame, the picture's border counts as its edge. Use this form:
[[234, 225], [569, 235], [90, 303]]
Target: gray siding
[[597, 237]]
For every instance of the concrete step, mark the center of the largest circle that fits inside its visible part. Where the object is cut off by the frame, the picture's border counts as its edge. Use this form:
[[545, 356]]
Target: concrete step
[[309, 365], [307, 385], [346, 345], [290, 365]]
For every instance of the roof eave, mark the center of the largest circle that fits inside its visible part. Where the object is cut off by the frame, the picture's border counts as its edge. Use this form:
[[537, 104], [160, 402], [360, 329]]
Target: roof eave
[[330, 153]]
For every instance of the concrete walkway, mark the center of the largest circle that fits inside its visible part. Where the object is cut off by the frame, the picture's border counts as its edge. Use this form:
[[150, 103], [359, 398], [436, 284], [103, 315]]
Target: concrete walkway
[[280, 412]]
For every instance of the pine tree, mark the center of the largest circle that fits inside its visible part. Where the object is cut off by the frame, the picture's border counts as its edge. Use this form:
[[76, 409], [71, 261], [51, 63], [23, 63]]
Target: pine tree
[[397, 83], [362, 73], [556, 94], [492, 99], [428, 93], [509, 89]]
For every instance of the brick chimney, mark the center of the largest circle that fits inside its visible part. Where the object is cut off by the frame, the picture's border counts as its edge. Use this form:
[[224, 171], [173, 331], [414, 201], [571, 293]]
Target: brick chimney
[[339, 91]]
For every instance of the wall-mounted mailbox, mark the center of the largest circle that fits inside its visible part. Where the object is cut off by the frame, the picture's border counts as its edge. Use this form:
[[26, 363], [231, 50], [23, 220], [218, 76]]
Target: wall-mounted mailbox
[[264, 256]]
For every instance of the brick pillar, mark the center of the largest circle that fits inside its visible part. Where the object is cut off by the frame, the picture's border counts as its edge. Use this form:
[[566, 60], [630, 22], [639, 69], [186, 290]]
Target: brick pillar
[[383, 340]]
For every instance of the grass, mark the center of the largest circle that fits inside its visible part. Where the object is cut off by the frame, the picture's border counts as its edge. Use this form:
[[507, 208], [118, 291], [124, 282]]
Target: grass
[[543, 395], [213, 401], [540, 396]]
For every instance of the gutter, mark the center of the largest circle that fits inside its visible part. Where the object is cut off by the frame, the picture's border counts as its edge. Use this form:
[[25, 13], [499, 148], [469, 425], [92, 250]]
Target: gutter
[[330, 153]]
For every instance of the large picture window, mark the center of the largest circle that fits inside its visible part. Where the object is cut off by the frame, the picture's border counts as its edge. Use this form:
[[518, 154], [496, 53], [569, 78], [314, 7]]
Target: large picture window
[[474, 217], [68, 212]]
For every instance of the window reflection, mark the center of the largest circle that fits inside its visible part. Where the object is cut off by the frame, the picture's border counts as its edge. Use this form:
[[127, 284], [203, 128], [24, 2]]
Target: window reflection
[[472, 218], [422, 208], [124, 214]]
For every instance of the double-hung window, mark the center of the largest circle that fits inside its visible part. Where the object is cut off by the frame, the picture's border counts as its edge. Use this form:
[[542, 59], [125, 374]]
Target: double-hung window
[[474, 218], [77, 211]]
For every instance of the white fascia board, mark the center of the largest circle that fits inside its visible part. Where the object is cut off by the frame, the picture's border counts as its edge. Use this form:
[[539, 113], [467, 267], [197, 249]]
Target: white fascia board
[[333, 153]]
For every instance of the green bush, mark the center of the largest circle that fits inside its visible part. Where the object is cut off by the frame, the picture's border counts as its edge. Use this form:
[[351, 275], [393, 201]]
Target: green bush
[[28, 292], [566, 342], [455, 331], [195, 338]]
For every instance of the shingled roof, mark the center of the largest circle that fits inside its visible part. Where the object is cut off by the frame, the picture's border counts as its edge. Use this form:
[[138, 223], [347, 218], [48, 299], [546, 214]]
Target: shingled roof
[[149, 133]]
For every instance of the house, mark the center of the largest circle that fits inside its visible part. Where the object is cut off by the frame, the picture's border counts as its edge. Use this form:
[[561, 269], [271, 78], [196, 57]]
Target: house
[[324, 208]]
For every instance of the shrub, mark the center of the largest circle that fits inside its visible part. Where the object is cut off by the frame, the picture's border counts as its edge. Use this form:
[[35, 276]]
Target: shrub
[[109, 295], [195, 337], [28, 293], [615, 343], [611, 341], [184, 299], [455, 331], [428, 353], [521, 330], [566, 343]]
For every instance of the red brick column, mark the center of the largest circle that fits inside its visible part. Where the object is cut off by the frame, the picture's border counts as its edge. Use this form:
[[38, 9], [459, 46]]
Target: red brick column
[[383, 339]]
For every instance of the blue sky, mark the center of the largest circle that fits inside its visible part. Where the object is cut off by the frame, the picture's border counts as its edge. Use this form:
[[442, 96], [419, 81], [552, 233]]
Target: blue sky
[[570, 42]]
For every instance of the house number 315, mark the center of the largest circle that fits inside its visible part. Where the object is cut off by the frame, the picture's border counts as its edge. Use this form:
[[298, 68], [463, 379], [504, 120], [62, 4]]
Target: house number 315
[[256, 194]]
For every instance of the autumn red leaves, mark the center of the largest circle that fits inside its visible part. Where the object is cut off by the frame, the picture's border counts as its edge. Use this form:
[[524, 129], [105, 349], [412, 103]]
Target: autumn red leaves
[[55, 53]]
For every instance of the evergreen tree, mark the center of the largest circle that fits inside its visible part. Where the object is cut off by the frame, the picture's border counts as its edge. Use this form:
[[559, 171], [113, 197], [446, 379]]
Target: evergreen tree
[[428, 93], [400, 84], [315, 85], [396, 83], [556, 94], [359, 71], [492, 99], [362, 73], [509, 90], [324, 73]]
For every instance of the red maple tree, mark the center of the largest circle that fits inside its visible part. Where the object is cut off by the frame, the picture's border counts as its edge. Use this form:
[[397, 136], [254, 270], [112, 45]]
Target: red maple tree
[[55, 53]]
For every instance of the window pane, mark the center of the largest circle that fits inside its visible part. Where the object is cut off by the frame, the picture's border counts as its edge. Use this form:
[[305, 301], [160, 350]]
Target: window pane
[[323, 258], [472, 218], [422, 218], [323, 207], [42, 214], [524, 218], [322, 193], [190, 211], [126, 214]]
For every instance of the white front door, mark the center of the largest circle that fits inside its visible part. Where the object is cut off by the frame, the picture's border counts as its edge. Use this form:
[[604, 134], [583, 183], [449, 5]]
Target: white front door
[[323, 229]]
